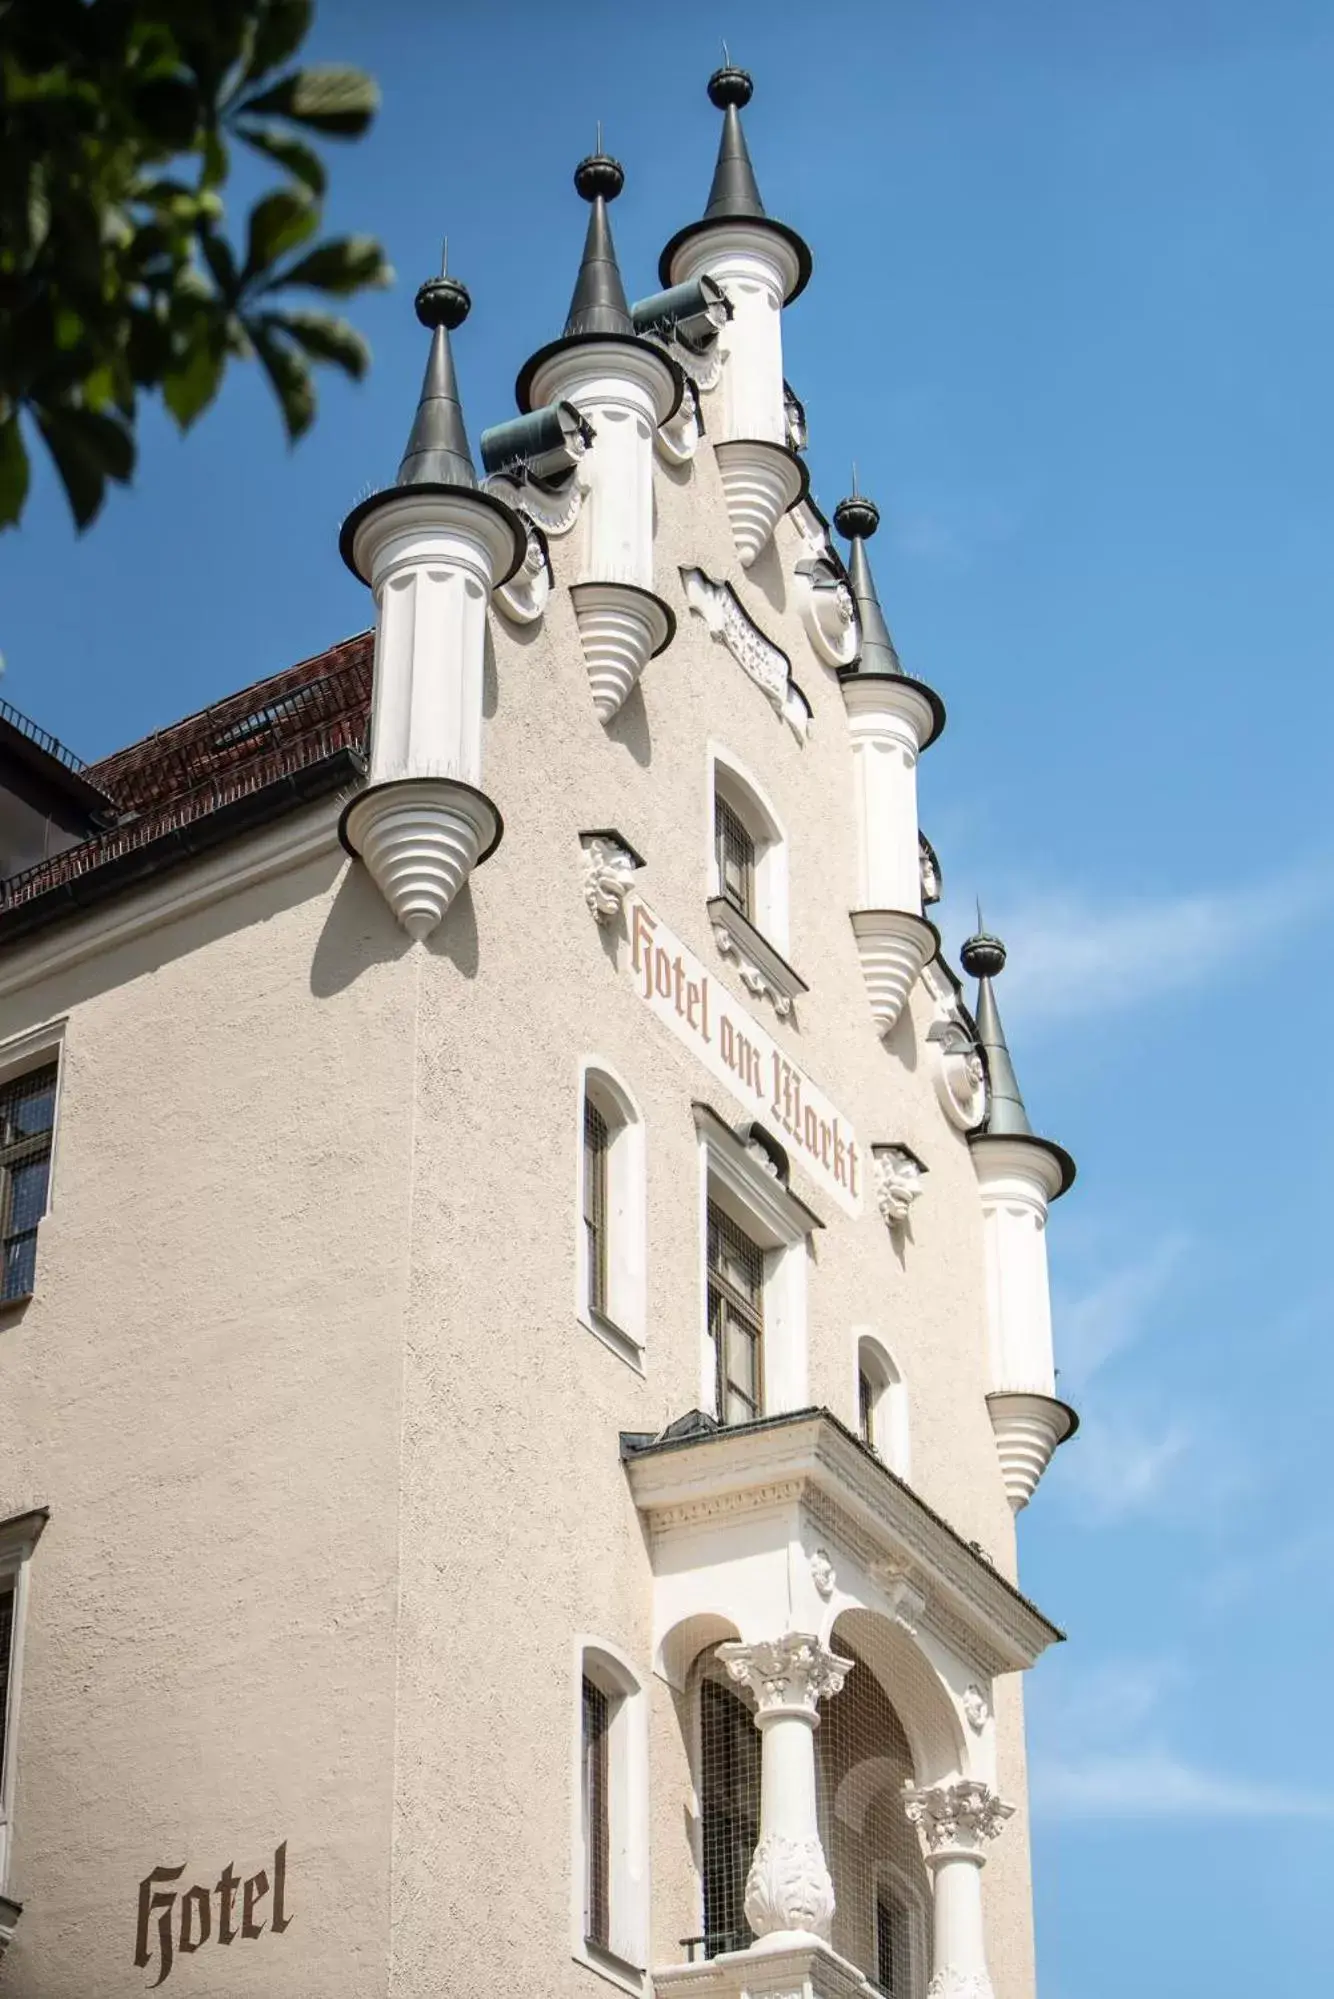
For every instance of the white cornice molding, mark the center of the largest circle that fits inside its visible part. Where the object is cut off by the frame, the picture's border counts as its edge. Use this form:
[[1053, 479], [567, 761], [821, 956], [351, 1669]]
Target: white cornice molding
[[857, 1502], [187, 886]]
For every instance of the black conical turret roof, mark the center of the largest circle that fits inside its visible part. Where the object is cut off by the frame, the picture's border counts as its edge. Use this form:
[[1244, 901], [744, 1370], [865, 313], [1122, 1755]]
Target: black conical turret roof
[[857, 518], [599, 309], [983, 958], [438, 457], [735, 194]]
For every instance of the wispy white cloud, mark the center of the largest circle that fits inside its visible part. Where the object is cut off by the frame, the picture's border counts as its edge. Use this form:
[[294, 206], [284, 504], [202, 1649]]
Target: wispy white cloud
[[1122, 1464], [1113, 1309], [1155, 1784], [1101, 1752], [1074, 956]]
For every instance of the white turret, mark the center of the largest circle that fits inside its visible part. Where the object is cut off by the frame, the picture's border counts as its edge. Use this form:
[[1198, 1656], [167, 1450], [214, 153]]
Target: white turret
[[892, 719], [624, 388], [762, 265], [1019, 1175], [432, 548]]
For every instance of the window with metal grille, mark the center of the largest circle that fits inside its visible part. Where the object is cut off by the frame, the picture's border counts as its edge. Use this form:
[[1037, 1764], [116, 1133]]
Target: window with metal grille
[[735, 849], [7, 1593], [596, 1814], [597, 1141], [27, 1115], [736, 1318], [729, 1792]]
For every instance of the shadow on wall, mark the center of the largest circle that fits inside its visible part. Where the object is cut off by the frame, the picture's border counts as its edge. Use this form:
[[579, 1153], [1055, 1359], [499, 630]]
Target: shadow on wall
[[629, 725], [359, 931]]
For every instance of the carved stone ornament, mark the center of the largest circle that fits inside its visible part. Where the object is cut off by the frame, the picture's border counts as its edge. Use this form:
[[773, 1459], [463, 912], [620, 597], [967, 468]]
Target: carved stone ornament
[[905, 1598], [524, 598], [752, 976], [958, 1073], [929, 870], [976, 1707], [788, 1887], [789, 1674], [822, 594], [555, 509], [678, 439], [952, 1984], [769, 668], [956, 1818], [899, 1174], [609, 874], [822, 1572]]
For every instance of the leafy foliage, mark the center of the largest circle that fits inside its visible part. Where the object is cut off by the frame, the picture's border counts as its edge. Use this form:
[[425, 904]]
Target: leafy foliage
[[118, 119]]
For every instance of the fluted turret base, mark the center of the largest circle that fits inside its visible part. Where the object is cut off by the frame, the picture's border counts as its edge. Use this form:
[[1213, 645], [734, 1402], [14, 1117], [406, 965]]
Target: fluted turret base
[[760, 481], [621, 628], [420, 839], [894, 947], [1028, 1428]]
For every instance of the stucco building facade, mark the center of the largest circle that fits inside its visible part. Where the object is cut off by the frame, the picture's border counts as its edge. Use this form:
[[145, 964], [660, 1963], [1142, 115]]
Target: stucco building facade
[[525, 1326]]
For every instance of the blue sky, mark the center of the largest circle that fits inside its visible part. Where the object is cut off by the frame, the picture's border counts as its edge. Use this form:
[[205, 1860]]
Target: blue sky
[[1073, 315]]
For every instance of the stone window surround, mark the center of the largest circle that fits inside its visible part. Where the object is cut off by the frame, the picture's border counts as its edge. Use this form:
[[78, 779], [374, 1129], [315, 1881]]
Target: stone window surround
[[611, 1669], [729, 779], [19, 1536], [18, 1056], [735, 1179], [890, 1415], [623, 1328]]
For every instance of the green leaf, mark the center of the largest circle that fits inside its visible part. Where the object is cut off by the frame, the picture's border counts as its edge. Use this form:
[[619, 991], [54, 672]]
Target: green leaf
[[278, 35], [189, 386], [328, 98], [292, 154], [88, 448], [290, 378], [216, 164], [340, 266], [13, 472], [278, 223], [218, 256], [325, 338]]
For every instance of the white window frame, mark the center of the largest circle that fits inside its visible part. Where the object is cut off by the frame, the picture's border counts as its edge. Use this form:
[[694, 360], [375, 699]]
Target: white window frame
[[890, 1409], [624, 1325], [18, 1538], [779, 1225], [19, 1056], [907, 1893], [730, 780], [626, 1962]]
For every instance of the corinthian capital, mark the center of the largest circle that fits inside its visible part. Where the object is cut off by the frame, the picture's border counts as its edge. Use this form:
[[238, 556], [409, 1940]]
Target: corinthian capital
[[956, 1818], [789, 1674]]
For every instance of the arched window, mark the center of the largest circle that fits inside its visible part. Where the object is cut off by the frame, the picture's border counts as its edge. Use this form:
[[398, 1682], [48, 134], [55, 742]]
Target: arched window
[[611, 1296], [749, 852], [610, 1832], [728, 1789], [882, 1404], [880, 1886]]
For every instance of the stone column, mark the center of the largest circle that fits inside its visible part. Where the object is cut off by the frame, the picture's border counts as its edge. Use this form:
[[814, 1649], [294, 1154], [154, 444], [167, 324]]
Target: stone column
[[954, 1822], [788, 1891]]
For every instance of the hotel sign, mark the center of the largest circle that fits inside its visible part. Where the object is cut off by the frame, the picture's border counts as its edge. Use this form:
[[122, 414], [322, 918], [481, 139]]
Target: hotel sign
[[735, 1049]]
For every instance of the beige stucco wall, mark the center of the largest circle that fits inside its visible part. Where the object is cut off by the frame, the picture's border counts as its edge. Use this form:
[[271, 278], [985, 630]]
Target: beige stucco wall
[[332, 1467]]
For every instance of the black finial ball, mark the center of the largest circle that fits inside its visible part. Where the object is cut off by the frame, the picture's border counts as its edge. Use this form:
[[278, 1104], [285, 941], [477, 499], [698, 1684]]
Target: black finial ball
[[730, 85], [857, 518], [598, 175], [443, 302], [983, 956]]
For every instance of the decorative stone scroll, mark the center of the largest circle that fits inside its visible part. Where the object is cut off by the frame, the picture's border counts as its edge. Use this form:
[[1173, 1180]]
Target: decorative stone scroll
[[524, 598], [720, 608]]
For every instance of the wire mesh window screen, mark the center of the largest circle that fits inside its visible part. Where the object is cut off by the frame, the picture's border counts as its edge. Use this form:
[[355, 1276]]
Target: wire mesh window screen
[[27, 1114], [736, 857], [865, 1407], [881, 1890], [597, 1146], [6, 1647], [596, 1778], [729, 1794], [736, 1318]]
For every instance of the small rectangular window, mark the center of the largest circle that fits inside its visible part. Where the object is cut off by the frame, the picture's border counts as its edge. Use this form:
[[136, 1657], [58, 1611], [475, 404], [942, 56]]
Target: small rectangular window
[[27, 1118], [596, 1815], [7, 1597], [596, 1143], [736, 857], [736, 1318]]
